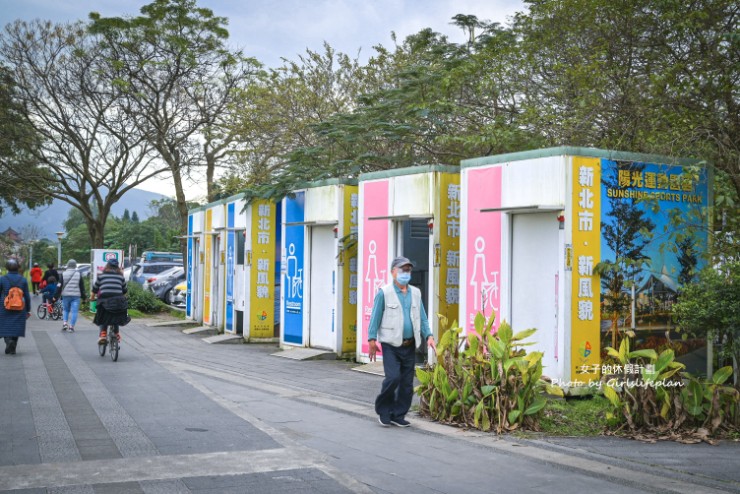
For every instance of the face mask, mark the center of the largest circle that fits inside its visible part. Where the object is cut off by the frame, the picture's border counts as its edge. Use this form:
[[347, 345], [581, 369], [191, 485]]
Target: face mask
[[403, 278]]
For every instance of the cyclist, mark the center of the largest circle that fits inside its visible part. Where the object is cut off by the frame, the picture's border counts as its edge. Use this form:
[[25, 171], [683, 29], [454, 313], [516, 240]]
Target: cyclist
[[48, 292], [110, 288]]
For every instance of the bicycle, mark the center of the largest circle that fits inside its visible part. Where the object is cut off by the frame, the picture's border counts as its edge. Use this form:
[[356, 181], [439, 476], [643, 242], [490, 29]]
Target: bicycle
[[112, 341], [43, 312]]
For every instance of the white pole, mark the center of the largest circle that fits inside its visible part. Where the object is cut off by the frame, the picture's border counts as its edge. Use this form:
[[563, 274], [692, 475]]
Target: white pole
[[633, 307]]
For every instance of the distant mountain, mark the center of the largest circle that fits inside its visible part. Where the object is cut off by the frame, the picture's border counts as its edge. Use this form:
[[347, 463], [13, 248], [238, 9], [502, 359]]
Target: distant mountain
[[49, 219]]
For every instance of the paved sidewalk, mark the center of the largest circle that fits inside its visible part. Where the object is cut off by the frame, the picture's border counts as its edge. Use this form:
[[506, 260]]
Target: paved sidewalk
[[352, 392], [175, 414]]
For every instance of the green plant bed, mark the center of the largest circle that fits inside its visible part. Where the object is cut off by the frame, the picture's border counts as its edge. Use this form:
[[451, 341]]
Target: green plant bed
[[575, 417], [491, 383], [143, 300]]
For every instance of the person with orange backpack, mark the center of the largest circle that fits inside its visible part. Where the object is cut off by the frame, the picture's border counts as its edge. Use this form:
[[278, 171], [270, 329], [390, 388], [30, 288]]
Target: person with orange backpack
[[15, 308]]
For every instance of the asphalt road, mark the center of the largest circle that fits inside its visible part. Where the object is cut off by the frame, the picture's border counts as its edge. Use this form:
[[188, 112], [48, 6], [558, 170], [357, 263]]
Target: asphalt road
[[176, 415]]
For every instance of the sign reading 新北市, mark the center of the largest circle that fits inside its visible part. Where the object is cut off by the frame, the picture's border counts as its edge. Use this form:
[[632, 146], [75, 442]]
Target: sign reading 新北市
[[349, 269], [262, 278], [449, 246], [585, 344]]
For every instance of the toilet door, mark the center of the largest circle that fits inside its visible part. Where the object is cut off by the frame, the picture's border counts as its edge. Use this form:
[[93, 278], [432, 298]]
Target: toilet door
[[322, 333], [534, 271]]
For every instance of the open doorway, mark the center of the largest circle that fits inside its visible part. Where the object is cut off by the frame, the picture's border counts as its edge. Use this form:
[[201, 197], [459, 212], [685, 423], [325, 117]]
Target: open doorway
[[412, 241]]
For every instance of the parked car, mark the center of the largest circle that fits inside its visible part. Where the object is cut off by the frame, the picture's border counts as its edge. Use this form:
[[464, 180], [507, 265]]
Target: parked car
[[143, 271], [165, 281], [154, 256], [177, 295], [84, 270]]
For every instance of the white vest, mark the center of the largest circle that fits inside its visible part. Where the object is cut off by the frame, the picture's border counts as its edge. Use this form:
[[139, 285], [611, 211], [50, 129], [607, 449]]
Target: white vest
[[391, 325]]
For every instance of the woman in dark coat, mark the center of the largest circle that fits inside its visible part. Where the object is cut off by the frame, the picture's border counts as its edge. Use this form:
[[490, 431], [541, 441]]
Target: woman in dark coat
[[110, 290], [13, 322]]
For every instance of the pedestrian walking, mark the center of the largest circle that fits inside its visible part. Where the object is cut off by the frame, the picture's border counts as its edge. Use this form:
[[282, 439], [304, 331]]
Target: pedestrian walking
[[15, 307], [398, 324], [36, 277], [73, 292], [51, 271]]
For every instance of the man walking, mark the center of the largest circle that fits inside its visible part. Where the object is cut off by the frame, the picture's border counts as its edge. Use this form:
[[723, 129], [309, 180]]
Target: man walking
[[398, 322]]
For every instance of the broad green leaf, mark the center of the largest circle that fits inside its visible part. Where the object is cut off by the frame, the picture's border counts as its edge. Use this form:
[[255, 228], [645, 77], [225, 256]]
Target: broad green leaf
[[478, 413], [486, 426], [692, 397], [554, 390], [488, 390], [453, 396], [648, 353], [489, 324], [505, 333], [480, 322], [612, 396], [513, 415], [535, 407], [624, 350], [498, 348], [521, 335], [721, 375], [664, 359], [423, 376]]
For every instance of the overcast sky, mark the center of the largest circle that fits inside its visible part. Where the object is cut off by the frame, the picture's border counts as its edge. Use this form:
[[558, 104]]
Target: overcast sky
[[273, 29]]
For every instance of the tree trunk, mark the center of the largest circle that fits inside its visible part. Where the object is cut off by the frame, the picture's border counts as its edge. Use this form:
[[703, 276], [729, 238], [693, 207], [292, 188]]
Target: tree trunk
[[210, 172], [182, 208]]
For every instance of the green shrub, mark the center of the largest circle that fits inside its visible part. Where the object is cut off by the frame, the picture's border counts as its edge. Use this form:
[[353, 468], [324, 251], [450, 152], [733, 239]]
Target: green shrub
[[143, 300], [491, 384], [649, 393]]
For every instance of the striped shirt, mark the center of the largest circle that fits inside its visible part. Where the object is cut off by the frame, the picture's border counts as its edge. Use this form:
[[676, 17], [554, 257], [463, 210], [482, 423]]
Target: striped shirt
[[109, 284]]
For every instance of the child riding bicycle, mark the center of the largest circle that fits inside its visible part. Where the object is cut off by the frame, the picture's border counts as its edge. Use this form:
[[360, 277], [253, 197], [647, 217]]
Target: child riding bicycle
[[49, 292]]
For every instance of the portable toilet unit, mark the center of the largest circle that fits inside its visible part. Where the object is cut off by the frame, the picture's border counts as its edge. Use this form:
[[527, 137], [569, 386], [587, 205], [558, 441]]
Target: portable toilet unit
[[249, 274], [412, 212], [319, 267], [195, 260], [536, 223], [214, 260]]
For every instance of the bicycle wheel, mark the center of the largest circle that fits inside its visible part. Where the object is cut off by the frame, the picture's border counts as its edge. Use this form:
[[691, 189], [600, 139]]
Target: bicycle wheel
[[41, 311], [102, 347], [56, 312], [113, 338]]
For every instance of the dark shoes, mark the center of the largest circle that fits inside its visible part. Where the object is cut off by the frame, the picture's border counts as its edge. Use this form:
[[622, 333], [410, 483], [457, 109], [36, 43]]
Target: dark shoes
[[386, 422], [400, 422], [10, 347]]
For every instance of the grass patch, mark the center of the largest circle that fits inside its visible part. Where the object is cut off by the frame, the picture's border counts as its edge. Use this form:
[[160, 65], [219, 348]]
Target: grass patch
[[133, 313], [584, 416]]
